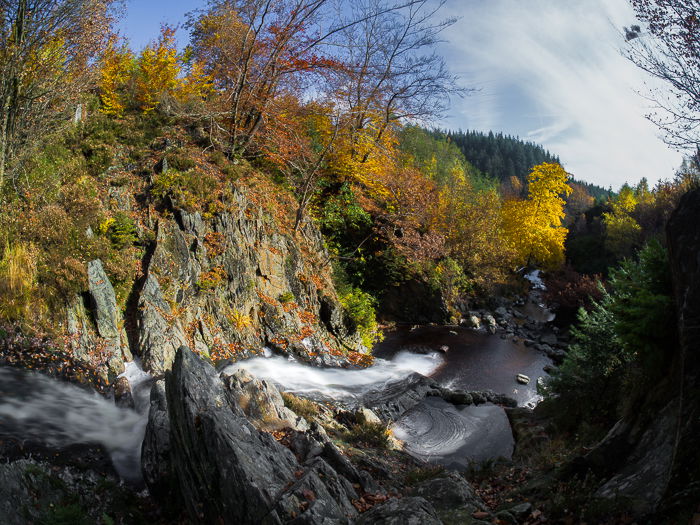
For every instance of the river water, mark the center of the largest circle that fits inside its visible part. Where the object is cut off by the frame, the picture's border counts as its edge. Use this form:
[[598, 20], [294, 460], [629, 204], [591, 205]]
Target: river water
[[44, 410], [474, 360]]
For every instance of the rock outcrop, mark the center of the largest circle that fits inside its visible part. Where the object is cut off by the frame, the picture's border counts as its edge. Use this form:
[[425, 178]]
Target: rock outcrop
[[650, 459], [200, 439], [227, 286]]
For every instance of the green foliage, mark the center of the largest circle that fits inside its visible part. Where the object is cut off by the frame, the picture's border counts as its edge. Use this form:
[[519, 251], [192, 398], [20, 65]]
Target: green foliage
[[368, 434], [300, 406], [359, 307], [120, 230], [286, 297], [623, 339], [643, 308], [193, 190], [500, 156], [179, 160]]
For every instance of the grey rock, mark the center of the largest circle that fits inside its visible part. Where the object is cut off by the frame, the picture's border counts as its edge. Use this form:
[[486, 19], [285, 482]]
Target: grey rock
[[230, 472], [395, 398], [521, 511], [450, 492], [365, 415], [107, 315], [262, 403], [404, 511], [159, 333], [156, 464], [549, 339]]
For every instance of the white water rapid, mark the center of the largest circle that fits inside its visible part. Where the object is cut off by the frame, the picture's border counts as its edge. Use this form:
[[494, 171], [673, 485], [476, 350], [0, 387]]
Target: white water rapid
[[37, 408], [337, 383]]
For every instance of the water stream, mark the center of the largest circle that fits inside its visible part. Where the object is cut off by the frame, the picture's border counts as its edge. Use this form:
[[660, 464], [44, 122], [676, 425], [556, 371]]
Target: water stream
[[40, 409]]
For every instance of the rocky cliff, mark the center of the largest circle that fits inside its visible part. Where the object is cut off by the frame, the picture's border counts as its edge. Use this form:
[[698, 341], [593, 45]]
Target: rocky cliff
[[228, 286], [650, 461]]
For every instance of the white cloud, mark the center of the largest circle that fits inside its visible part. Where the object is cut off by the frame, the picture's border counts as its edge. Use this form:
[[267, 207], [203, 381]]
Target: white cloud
[[551, 71]]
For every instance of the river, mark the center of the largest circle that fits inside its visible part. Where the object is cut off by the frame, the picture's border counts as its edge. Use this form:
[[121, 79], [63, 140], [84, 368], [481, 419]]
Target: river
[[38, 408]]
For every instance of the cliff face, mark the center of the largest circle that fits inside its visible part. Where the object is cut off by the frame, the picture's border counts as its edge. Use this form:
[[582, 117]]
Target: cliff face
[[227, 286], [651, 458]]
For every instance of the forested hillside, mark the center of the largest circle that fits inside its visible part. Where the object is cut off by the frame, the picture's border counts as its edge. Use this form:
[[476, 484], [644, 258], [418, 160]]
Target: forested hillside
[[500, 156]]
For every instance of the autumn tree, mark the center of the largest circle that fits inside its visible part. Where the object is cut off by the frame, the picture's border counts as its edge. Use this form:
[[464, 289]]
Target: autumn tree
[[392, 73], [667, 46], [533, 227], [157, 71], [254, 51], [115, 74], [46, 48]]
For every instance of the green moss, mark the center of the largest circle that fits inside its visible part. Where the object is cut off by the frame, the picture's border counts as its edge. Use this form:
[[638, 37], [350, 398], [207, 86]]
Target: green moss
[[286, 297]]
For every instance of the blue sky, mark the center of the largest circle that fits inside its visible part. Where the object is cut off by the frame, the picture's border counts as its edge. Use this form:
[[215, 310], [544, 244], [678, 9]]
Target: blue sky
[[550, 71]]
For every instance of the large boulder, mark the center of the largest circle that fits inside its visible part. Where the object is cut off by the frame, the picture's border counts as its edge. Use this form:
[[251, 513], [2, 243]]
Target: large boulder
[[405, 511], [226, 470], [395, 398], [160, 332], [449, 493]]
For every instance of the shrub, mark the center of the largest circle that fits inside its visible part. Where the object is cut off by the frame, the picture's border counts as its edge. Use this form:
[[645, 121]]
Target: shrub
[[286, 297], [239, 320], [570, 290], [212, 279], [179, 160], [369, 434], [18, 271], [120, 230], [623, 339], [359, 307], [193, 190], [300, 406]]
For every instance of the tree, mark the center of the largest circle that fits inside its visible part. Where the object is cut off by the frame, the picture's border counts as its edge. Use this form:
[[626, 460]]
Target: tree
[[46, 48], [115, 72], [158, 71], [533, 226], [668, 48]]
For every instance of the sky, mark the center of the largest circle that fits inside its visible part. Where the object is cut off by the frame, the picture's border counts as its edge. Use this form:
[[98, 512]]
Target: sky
[[548, 71]]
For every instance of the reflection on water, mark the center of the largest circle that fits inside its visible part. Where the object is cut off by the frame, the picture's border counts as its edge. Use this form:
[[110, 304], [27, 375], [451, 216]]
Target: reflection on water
[[474, 361]]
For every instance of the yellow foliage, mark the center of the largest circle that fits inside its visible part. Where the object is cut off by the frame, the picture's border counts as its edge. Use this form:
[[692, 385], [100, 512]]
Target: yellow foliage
[[622, 232], [115, 72], [18, 271], [533, 226], [239, 320], [158, 71], [197, 84], [365, 156]]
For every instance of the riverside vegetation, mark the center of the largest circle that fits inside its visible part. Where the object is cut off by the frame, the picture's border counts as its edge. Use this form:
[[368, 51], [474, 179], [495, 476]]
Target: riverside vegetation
[[269, 189]]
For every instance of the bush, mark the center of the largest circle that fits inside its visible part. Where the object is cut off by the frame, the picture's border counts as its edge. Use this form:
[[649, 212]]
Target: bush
[[192, 190], [369, 434], [569, 291], [300, 406], [212, 279], [286, 297], [120, 230], [359, 308], [625, 338]]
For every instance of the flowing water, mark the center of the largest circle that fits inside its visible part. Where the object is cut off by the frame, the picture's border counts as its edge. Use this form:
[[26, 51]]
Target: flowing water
[[474, 360], [37, 408], [40, 409], [337, 383]]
